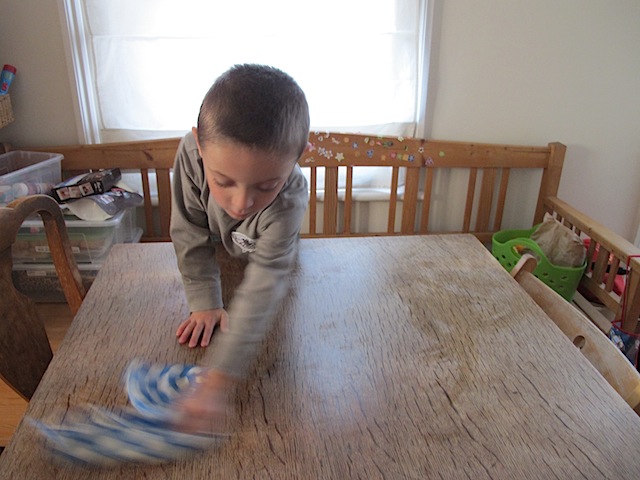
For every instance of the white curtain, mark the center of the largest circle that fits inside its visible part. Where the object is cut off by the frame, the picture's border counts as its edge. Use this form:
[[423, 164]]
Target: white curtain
[[142, 67]]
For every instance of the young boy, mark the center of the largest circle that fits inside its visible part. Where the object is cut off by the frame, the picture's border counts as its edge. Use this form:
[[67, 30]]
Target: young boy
[[237, 186]]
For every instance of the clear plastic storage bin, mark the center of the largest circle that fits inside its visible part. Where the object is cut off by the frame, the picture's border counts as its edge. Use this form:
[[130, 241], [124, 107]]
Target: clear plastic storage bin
[[90, 241], [40, 281], [25, 173]]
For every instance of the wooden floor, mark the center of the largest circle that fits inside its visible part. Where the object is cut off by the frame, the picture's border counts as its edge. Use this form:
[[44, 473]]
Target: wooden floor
[[57, 319]]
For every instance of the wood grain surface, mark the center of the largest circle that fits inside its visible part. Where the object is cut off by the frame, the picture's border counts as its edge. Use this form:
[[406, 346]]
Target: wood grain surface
[[392, 357]]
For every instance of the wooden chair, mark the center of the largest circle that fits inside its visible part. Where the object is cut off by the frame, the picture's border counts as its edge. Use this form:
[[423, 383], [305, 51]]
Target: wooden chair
[[595, 346], [25, 352]]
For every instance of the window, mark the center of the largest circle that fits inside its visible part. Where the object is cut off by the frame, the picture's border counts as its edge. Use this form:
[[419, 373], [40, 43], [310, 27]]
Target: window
[[142, 67]]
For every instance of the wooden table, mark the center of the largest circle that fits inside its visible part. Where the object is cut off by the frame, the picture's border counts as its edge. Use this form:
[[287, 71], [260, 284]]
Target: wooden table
[[392, 357]]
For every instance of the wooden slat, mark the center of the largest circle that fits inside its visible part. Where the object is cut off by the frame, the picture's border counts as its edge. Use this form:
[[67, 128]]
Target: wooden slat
[[502, 197], [601, 263], [330, 201], [471, 191], [163, 180], [611, 301], [313, 200], [590, 253], [550, 179], [148, 206], [612, 273], [129, 155], [486, 199], [478, 155], [426, 201], [348, 200], [410, 200], [393, 200], [630, 310]]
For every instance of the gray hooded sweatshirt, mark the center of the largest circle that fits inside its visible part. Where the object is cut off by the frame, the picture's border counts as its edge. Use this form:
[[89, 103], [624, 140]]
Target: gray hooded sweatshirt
[[268, 240]]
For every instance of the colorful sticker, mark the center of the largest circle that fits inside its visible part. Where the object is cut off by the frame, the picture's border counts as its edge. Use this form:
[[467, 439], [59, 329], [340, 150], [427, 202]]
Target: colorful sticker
[[381, 147]]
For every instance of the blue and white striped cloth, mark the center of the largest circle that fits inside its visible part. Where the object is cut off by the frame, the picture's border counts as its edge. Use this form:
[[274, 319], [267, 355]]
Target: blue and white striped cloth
[[94, 436], [153, 389]]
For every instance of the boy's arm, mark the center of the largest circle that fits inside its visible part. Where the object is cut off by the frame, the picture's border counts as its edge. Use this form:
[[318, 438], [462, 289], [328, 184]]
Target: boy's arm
[[265, 283], [190, 233]]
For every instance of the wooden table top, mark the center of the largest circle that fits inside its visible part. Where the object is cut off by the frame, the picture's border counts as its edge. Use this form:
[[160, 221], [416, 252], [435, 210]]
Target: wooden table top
[[392, 357]]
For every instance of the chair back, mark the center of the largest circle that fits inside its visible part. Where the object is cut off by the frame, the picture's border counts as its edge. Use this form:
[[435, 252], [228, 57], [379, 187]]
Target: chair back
[[594, 345], [25, 351]]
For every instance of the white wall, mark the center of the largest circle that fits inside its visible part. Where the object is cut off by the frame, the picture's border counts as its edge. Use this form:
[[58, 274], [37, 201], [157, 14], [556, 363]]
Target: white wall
[[31, 40], [535, 71], [505, 71]]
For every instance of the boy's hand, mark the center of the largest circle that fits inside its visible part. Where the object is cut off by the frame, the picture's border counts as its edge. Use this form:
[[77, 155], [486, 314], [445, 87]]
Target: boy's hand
[[199, 326], [206, 408]]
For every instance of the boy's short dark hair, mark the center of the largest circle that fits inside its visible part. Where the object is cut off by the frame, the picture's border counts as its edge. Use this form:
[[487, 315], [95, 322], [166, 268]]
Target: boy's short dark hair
[[258, 106]]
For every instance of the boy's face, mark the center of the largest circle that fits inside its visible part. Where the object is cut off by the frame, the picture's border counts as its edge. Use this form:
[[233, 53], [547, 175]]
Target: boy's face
[[242, 180]]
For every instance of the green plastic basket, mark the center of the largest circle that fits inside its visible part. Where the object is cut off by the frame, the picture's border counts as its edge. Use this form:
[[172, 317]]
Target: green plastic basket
[[506, 245]]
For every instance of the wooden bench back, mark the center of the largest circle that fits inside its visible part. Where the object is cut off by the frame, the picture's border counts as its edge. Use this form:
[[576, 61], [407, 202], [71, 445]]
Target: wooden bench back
[[146, 159], [408, 195], [414, 163]]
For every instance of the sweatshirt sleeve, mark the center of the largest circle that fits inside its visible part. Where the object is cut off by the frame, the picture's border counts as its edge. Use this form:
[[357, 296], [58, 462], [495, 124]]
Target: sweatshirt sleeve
[[190, 233], [265, 284]]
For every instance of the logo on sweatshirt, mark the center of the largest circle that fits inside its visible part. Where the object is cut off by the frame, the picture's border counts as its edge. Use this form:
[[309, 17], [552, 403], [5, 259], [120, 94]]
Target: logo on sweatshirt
[[246, 244]]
